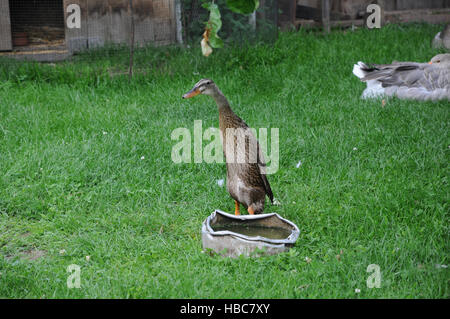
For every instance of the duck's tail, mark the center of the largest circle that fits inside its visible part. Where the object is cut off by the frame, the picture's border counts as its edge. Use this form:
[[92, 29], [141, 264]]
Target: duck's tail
[[369, 75], [267, 187], [360, 69], [270, 194]]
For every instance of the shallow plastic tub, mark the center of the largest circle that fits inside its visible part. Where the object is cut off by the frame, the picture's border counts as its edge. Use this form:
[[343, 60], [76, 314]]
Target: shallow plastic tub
[[250, 235]]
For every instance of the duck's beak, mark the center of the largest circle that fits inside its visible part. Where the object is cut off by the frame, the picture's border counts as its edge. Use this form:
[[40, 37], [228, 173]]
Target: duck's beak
[[191, 93], [430, 62]]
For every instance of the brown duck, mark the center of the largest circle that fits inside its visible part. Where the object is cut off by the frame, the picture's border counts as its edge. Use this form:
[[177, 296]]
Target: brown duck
[[246, 179]]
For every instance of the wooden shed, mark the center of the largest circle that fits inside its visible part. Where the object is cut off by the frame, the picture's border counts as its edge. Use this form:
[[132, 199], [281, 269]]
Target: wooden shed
[[47, 29]]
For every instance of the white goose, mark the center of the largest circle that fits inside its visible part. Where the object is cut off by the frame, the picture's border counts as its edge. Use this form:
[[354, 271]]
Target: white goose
[[407, 80]]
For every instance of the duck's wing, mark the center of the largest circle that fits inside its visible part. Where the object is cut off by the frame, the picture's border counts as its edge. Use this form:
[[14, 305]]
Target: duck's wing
[[409, 74], [267, 187], [262, 172], [395, 74], [254, 158], [256, 175], [257, 169]]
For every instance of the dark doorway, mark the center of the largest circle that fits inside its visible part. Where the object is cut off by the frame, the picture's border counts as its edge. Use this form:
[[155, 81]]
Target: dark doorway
[[37, 23]]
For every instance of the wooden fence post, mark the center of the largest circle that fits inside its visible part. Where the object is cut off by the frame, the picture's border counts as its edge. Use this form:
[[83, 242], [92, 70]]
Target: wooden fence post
[[130, 71], [326, 15], [382, 4]]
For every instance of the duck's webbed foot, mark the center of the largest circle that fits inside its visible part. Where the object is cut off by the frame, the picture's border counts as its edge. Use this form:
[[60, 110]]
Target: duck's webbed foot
[[236, 208]]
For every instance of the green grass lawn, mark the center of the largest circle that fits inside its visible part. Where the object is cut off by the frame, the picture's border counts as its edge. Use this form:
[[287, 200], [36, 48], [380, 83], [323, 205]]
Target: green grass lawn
[[86, 170]]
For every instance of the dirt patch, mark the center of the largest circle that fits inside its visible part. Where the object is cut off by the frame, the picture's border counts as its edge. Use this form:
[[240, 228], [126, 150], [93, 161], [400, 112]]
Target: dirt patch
[[33, 254]]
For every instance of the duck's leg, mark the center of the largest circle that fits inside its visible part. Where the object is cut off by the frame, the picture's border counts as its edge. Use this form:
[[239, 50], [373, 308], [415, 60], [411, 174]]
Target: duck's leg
[[251, 211], [236, 208]]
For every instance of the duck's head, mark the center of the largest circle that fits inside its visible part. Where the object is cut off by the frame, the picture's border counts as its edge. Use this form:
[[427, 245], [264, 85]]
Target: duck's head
[[441, 59], [204, 86]]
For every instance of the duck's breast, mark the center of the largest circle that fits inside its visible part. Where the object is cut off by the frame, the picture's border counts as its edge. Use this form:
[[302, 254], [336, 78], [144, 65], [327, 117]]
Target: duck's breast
[[237, 186]]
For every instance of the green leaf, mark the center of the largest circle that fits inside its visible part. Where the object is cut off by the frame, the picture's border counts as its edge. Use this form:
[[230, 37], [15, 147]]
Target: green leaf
[[215, 41], [243, 6], [214, 24]]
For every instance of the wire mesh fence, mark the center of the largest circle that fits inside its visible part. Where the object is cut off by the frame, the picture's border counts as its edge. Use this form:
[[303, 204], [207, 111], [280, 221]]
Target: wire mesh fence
[[47, 29], [261, 26], [32, 25]]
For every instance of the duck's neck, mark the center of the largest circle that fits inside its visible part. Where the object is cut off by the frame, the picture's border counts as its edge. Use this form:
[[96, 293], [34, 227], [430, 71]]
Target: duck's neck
[[226, 114], [222, 102]]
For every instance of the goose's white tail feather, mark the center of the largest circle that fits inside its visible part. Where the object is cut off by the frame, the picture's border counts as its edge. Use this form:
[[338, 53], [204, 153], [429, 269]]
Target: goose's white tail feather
[[374, 88], [358, 70]]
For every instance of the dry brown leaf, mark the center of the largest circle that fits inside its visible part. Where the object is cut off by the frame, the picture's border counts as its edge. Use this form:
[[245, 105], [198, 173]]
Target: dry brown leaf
[[206, 48]]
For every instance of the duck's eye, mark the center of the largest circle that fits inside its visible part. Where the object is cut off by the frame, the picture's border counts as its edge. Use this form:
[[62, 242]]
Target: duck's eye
[[438, 61]]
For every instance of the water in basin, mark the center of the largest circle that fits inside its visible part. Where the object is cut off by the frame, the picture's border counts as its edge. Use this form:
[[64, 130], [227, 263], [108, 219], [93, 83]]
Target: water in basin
[[253, 231]]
